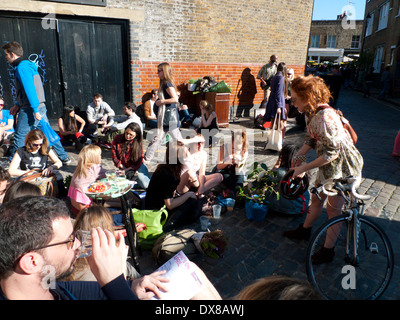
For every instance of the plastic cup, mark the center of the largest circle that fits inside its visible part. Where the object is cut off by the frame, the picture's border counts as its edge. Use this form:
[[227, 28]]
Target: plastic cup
[[111, 175], [230, 204], [204, 222], [85, 238], [216, 211]]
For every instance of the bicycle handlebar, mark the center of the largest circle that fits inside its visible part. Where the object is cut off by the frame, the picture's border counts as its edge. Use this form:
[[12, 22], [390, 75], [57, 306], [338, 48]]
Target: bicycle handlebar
[[339, 186]]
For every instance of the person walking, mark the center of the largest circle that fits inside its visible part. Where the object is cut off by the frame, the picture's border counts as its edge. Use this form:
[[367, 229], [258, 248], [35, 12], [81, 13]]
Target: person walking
[[337, 157], [30, 106], [167, 113], [276, 101], [266, 73]]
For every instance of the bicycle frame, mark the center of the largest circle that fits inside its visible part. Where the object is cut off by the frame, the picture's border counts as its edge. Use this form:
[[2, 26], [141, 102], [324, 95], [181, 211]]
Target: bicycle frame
[[351, 207]]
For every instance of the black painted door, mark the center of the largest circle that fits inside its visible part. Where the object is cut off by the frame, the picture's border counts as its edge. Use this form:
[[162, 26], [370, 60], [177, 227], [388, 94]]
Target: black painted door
[[92, 60], [75, 59]]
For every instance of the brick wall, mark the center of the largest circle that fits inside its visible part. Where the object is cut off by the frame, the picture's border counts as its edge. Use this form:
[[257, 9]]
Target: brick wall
[[233, 74], [215, 38]]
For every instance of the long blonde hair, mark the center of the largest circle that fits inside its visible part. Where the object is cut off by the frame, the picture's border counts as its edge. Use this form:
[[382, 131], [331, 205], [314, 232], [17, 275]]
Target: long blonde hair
[[88, 156], [168, 76]]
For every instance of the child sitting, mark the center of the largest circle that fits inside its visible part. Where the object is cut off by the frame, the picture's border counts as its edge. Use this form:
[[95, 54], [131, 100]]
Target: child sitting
[[87, 171]]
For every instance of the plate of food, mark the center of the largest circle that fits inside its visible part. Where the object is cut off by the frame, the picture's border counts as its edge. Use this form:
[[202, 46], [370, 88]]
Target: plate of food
[[98, 187]]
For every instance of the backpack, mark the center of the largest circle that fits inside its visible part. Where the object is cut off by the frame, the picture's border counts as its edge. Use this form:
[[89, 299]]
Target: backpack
[[140, 112], [345, 122], [171, 243]]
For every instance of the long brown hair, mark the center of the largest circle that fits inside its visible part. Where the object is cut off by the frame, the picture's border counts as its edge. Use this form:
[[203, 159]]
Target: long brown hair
[[173, 155], [137, 143], [33, 135], [313, 90]]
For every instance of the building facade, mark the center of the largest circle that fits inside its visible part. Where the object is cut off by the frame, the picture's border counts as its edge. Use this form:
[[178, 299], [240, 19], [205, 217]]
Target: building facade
[[333, 40], [114, 46], [381, 39]]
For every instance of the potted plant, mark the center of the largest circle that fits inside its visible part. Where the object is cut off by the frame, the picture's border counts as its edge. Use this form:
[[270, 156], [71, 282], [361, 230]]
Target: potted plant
[[260, 186], [192, 84]]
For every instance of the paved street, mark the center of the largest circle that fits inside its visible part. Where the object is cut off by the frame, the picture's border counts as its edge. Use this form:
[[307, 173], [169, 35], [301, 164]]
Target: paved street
[[258, 249]]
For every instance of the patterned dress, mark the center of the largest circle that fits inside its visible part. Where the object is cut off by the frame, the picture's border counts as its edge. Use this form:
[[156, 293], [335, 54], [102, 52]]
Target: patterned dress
[[326, 134]]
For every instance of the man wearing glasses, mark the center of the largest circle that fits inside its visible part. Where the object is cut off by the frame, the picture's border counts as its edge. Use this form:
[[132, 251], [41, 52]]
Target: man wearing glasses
[[30, 96], [38, 246]]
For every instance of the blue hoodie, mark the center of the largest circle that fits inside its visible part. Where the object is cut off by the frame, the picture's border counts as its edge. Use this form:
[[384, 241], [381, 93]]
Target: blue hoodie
[[29, 86]]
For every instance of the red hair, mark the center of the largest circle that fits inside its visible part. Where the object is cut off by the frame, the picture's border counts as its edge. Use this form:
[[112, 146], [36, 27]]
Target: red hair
[[313, 90]]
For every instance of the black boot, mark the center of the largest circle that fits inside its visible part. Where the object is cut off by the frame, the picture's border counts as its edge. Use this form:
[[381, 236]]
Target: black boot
[[300, 233]]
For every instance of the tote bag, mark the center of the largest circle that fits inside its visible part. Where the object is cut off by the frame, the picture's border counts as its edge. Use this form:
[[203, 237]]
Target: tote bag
[[274, 135], [154, 221]]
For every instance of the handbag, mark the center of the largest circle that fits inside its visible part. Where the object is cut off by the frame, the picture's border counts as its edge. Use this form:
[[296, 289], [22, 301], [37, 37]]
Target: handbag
[[48, 131], [171, 243], [274, 135], [170, 119], [48, 185], [170, 116], [154, 221]]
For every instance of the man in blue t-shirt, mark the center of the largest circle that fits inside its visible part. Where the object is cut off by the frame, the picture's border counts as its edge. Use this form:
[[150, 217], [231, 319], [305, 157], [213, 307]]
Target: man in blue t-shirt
[[30, 104]]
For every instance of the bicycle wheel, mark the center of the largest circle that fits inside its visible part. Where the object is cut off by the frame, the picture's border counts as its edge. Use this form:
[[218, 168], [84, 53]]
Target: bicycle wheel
[[363, 278]]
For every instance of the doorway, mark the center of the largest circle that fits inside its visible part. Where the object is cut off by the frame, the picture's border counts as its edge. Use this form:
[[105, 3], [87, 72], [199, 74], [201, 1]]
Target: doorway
[[76, 59]]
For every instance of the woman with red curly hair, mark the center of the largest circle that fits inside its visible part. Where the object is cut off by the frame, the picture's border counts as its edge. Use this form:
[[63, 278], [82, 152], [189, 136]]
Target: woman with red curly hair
[[337, 157]]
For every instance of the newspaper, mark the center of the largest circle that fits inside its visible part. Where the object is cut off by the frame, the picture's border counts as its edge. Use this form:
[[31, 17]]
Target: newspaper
[[184, 282]]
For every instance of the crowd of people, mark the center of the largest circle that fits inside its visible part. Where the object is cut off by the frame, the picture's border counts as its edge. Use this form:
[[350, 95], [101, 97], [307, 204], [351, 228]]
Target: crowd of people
[[38, 230]]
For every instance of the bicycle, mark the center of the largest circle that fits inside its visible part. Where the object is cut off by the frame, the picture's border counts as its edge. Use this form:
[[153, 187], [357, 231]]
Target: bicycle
[[363, 263]]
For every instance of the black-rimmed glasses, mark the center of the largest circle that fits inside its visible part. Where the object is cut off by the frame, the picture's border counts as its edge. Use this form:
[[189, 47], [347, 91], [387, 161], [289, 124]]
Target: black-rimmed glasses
[[70, 243]]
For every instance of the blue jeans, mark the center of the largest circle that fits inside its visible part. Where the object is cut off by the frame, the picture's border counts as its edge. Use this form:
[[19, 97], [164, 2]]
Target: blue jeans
[[141, 176], [26, 122]]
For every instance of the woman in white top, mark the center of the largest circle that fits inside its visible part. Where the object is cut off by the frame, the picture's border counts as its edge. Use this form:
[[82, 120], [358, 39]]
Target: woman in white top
[[194, 169]]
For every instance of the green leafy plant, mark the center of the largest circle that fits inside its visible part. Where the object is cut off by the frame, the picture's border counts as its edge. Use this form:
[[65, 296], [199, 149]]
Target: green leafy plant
[[67, 181], [261, 184], [193, 81]]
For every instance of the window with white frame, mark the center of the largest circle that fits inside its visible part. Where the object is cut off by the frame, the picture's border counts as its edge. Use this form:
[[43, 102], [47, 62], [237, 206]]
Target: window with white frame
[[378, 59], [383, 16], [315, 40], [355, 42], [370, 23], [331, 42]]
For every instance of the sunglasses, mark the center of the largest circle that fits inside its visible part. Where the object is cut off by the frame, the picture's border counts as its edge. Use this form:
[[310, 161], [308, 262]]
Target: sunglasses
[[36, 145], [1, 104]]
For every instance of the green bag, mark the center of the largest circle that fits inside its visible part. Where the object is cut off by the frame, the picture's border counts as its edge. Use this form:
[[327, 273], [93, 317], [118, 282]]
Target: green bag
[[221, 87], [154, 221]]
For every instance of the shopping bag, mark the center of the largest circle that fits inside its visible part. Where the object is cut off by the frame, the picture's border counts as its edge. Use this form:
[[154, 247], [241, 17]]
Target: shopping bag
[[256, 211], [154, 221], [48, 131], [274, 135]]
